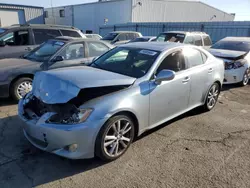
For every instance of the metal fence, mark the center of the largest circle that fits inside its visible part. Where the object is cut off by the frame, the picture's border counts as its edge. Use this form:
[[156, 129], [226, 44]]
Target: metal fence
[[217, 30]]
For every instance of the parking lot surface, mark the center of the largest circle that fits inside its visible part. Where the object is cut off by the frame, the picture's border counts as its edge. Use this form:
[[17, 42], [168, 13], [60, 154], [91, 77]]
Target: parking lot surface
[[195, 150]]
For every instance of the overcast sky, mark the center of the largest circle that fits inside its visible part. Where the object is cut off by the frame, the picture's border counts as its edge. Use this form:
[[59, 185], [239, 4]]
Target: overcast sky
[[240, 7]]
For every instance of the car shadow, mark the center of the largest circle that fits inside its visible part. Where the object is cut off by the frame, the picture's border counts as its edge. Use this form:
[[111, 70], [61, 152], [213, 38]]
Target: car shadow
[[194, 112], [232, 86], [40, 167], [7, 102]]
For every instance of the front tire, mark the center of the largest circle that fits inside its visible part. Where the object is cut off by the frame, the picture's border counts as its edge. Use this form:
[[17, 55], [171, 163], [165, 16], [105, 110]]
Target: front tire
[[114, 138], [20, 88], [212, 97], [245, 80]]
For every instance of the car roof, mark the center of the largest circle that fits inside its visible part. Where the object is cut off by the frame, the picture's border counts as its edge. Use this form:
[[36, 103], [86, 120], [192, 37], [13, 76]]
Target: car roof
[[124, 32], [44, 26], [187, 32], [239, 39], [156, 46]]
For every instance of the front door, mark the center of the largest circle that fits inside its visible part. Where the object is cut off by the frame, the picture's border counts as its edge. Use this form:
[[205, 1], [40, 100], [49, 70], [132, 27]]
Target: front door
[[170, 98]]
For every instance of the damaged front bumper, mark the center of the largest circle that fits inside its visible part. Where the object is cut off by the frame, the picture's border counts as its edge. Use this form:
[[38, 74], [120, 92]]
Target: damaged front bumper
[[58, 138], [233, 76]]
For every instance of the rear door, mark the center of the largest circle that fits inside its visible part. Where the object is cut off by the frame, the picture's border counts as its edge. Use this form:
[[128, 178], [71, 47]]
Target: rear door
[[74, 54], [18, 43], [201, 75]]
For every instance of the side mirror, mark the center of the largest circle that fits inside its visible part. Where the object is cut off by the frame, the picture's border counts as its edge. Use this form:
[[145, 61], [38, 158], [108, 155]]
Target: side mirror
[[164, 75], [58, 58], [2, 43]]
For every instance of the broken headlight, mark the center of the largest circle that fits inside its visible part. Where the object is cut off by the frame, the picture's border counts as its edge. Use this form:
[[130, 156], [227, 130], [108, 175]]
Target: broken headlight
[[77, 117], [236, 64], [27, 98]]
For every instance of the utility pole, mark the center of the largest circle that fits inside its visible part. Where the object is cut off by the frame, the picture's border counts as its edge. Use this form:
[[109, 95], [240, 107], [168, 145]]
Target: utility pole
[[52, 8]]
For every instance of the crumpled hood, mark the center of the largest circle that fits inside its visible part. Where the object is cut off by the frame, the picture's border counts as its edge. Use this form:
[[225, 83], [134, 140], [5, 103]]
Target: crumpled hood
[[227, 54], [61, 85], [13, 63]]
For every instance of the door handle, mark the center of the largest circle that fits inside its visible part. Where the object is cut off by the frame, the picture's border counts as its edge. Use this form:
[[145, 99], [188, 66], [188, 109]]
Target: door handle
[[210, 70], [186, 79]]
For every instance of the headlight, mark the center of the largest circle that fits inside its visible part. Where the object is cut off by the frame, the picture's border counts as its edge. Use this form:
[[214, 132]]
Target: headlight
[[236, 64], [78, 117]]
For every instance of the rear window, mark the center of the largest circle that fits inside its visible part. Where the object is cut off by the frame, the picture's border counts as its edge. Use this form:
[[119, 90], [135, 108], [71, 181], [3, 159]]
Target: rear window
[[171, 37], [42, 35], [70, 33], [232, 45], [110, 36]]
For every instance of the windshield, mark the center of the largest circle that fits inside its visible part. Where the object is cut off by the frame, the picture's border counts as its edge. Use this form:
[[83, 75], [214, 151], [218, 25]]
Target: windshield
[[110, 36], [2, 30], [232, 45], [171, 37], [132, 62], [45, 51]]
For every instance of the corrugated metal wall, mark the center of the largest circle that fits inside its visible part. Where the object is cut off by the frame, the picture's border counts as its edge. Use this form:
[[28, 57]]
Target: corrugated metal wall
[[176, 11], [33, 15], [217, 30]]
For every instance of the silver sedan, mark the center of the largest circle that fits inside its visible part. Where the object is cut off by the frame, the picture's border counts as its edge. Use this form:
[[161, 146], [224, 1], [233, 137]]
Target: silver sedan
[[97, 110]]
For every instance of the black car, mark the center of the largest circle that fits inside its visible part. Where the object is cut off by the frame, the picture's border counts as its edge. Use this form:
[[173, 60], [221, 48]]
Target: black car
[[16, 75], [16, 40]]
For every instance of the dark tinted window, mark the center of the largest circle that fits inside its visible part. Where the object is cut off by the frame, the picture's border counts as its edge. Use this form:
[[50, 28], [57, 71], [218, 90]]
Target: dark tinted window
[[171, 37], [132, 62], [110, 36], [140, 40], [232, 45], [194, 57], [42, 35], [17, 38], [207, 40], [70, 33], [197, 40], [174, 62], [96, 49], [62, 13]]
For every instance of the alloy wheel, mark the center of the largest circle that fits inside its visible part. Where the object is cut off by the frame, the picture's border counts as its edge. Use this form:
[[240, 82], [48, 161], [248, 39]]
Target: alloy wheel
[[23, 88], [245, 79], [213, 96], [117, 138]]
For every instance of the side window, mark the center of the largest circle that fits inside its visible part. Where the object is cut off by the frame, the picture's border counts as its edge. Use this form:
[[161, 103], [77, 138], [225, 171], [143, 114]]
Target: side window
[[42, 35], [194, 57], [189, 40], [197, 40], [96, 49], [122, 37], [204, 57], [207, 40], [174, 62], [17, 38], [70, 33], [131, 36], [118, 57], [72, 51]]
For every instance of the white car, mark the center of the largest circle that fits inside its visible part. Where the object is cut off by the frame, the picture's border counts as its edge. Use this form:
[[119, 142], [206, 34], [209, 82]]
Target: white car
[[234, 51], [93, 36]]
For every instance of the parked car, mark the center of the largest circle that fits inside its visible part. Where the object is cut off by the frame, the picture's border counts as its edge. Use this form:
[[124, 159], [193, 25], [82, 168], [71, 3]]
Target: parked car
[[195, 38], [17, 74], [99, 109], [93, 36], [234, 51], [144, 39], [17, 40], [121, 37]]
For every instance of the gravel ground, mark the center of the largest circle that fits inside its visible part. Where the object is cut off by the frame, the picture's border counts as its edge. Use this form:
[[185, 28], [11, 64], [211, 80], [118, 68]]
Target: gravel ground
[[195, 150]]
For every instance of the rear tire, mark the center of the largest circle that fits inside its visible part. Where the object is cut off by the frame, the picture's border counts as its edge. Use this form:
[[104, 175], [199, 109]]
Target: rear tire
[[114, 138], [212, 97], [20, 87]]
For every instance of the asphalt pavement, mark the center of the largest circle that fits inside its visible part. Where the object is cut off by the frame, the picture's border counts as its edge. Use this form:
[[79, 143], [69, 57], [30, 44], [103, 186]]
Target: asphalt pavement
[[194, 150]]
